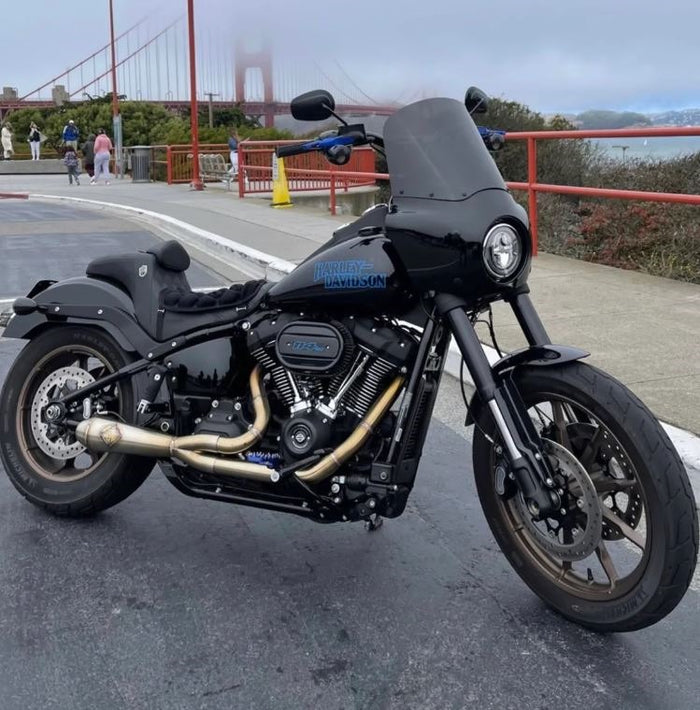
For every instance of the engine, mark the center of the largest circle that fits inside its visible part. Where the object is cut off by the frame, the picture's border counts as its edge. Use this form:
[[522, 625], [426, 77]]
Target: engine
[[326, 375]]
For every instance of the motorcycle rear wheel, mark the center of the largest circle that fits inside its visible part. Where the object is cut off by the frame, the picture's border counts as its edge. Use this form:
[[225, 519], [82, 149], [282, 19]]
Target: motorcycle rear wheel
[[44, 462], [647, 551]]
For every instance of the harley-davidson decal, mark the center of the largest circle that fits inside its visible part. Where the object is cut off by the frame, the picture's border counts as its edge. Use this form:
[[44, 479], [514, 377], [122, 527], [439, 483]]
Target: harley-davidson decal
[[349, 274]]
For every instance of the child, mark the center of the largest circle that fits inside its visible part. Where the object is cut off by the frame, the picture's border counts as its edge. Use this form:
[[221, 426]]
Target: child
[[70, 159]]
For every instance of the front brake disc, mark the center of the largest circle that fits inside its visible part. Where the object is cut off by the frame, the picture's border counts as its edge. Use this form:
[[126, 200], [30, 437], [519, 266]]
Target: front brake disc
[[575, 533], [611, 464]]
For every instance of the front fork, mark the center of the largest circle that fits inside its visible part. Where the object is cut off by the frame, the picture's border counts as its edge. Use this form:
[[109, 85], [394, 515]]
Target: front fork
[[522, 443]]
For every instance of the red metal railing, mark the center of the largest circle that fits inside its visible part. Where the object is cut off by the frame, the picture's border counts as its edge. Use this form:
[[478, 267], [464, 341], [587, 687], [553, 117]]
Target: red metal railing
[[305, 172], [533, 187], [311, 171]]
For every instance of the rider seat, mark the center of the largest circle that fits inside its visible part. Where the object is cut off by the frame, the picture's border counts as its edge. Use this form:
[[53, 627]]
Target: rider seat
[[164, 303]]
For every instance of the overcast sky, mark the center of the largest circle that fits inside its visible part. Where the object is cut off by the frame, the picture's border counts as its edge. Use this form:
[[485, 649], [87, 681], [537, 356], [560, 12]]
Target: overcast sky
[[550, 55]]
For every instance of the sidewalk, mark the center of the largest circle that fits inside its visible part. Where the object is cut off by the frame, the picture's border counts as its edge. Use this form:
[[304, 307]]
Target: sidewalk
[[642, 329]]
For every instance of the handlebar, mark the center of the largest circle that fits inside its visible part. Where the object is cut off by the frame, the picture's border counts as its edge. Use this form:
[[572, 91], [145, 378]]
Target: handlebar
[[322, 145], [493, 139]]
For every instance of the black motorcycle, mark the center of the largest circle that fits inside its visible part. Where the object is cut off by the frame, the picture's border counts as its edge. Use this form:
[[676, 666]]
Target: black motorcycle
[[313, 395]]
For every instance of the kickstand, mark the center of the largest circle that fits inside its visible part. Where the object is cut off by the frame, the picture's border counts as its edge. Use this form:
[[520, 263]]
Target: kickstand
[[374, 522]]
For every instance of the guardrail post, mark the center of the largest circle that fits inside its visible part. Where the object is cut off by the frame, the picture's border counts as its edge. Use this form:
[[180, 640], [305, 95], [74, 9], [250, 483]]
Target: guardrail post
[[531, 192], [332, 192], [169, 164], [241, 170]]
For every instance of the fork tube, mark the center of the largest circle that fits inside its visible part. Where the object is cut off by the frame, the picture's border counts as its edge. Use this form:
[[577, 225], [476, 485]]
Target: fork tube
[[530, 467], [416, 374], [480, 370], [529, 320]]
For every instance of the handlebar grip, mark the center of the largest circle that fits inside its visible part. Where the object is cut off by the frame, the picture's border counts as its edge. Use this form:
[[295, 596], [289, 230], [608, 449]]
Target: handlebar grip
[[285, 151], [497, 141]]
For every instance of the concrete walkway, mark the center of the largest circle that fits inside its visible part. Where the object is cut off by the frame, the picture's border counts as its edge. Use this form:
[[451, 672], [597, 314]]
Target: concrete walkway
[[642, 329]]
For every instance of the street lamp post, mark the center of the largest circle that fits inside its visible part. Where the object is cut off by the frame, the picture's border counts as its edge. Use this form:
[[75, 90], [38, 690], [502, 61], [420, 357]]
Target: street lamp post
[[194, 119], [210, 95], [116, 118], [623, 148]]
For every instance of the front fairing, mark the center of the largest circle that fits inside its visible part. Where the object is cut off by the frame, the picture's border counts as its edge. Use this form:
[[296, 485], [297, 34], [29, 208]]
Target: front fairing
[[435, 152], [446, 194]]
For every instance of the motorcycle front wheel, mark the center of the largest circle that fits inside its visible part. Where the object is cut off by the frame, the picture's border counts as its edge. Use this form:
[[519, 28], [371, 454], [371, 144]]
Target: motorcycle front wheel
[[623, 487]]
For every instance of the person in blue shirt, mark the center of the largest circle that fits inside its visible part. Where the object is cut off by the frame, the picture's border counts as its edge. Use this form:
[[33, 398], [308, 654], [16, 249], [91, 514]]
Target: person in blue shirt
[[70, 135]]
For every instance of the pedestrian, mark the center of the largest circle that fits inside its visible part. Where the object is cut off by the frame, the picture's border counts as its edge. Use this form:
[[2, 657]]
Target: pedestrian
[[233, 148], [70, 135], [34, 140], [103, 147], [6, 139], [70, 160], [88, 149]]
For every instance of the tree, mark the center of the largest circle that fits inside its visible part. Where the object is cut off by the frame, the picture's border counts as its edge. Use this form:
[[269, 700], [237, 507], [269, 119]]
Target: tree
[[143, 123], [559, 162]]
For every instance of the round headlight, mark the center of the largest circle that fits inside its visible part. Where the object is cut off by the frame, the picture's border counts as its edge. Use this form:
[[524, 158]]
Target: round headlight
[[502, 251]]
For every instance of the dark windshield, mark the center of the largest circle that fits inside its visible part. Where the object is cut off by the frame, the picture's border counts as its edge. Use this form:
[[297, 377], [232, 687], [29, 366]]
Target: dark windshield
[[434, 151]]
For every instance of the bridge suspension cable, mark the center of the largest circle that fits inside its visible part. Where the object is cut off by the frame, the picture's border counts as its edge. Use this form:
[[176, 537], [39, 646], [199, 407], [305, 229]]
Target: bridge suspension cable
[[154, 67], [80, 64], [142, 48], [349, 78], [333, 84]]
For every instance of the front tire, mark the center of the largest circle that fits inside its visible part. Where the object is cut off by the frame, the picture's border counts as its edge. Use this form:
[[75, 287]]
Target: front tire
[[647, 550], [45, 462]]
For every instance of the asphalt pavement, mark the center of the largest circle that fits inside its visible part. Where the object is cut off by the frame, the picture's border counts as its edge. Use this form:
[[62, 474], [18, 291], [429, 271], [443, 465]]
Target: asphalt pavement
[[56, 241], [171, 602]]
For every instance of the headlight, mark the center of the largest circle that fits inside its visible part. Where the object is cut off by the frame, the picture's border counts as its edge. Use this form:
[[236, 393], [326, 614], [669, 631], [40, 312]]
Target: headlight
[[502, 251]]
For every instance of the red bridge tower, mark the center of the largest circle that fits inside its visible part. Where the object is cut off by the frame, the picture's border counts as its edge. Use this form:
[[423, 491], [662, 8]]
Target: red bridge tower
[[260, 59]]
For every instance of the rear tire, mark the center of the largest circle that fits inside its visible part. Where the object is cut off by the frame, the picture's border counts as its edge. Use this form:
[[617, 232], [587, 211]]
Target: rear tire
[[48, 467], [639, 572]]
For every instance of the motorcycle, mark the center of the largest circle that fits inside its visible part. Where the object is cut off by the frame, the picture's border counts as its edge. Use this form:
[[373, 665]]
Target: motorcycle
[[313, 395]]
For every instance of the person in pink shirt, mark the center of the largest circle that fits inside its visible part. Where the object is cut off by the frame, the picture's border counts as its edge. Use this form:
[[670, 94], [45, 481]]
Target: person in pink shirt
[[103, 147]]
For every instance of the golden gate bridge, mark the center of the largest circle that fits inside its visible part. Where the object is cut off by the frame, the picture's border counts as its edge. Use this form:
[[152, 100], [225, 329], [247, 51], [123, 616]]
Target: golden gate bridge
[[153, 66]]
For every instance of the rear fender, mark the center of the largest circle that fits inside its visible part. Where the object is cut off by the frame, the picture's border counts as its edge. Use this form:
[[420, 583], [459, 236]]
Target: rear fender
[[508, 366], [82, 301]]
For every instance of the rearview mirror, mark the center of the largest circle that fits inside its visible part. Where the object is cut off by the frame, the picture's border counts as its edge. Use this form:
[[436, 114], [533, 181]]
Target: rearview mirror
[[476, 100], [315, 105]]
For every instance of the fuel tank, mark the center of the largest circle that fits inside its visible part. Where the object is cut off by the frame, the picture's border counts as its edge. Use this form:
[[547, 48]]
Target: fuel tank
[[361, 274]]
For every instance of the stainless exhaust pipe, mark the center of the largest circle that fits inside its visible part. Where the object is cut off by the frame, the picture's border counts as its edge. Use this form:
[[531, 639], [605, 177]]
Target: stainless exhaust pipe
[[106, 435], [236, 444], [332, 462], [150, 443]]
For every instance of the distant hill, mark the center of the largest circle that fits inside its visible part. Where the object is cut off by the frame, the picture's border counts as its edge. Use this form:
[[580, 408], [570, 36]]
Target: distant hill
[[611, 119], [685, 117], [600, 118]]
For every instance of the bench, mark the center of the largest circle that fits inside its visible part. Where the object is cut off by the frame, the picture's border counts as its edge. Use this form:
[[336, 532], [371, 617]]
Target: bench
[[212, 166]]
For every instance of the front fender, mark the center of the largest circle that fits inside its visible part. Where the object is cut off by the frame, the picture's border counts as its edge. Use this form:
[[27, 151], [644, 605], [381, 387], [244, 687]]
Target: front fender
[[83, 301], [539, 356], [534, 356]]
